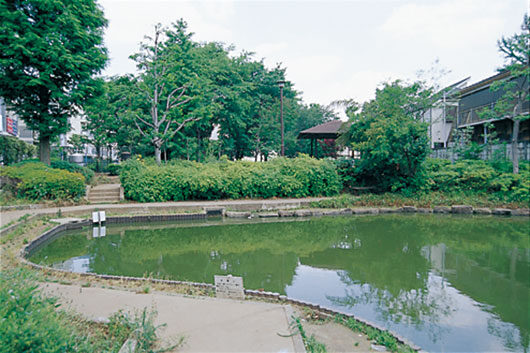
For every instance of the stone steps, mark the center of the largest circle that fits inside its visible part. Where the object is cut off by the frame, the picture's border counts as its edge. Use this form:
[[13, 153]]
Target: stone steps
[[104, 193]]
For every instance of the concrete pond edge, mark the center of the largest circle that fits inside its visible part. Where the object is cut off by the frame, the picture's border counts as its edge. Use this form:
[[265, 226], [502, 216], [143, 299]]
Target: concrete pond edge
[[221, 211]]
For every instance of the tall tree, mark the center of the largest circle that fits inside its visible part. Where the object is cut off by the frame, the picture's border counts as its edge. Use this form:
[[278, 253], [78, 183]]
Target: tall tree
[[49, 52], [165, 82], [516, 51], [390, 136]]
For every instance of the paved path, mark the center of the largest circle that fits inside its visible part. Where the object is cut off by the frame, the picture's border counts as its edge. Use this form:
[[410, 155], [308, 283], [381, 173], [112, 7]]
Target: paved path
[[207, 324], [9, 216]]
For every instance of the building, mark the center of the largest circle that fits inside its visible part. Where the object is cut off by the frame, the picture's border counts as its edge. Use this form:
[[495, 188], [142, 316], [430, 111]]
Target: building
[[460, 110], [11, 125], [441, 117], [479, 97]]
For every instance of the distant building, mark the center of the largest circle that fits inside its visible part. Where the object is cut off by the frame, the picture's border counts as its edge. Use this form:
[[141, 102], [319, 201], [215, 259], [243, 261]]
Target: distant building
[[479, 96], [11, 125], [441, 117]]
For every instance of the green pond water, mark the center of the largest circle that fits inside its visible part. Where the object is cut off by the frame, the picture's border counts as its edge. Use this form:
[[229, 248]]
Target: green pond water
[[447, 283]]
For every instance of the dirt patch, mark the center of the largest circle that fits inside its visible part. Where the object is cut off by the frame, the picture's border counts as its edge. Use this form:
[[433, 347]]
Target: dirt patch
[[337, 338]]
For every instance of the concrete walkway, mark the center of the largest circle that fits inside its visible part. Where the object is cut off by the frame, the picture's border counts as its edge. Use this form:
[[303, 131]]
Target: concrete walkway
[[182, 206], [207, 324]]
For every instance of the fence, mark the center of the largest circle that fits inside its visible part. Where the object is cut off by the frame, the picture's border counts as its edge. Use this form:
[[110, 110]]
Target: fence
[[489, 152]]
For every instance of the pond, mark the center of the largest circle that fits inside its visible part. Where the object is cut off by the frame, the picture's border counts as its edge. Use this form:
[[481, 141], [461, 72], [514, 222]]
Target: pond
[[447, 283]]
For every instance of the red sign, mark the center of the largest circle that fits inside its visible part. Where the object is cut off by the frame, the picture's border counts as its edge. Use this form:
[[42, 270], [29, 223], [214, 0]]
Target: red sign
[[11, 126]]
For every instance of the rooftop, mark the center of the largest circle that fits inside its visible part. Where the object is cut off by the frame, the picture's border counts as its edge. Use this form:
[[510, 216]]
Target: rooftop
[[329, 130]]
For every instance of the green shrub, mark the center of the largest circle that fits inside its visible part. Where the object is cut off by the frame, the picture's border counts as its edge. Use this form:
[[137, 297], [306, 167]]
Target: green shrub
[[13, 150], [114, 169], [38, 181], [184, 180], [478, 176], [64, 165], [29, 322], [72, 167]]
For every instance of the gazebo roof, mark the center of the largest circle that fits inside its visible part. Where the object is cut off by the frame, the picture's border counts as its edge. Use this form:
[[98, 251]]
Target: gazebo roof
[[329, 130]]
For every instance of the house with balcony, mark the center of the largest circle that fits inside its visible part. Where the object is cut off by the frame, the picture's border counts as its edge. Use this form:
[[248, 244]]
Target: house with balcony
[[478, 97]]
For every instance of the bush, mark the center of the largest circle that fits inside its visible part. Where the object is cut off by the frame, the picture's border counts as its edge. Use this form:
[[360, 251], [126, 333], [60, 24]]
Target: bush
[[35, 180], [478, 176], [184, 180], [64, 165], [114, 169], [74, 168], [28, 322], [13, 150]]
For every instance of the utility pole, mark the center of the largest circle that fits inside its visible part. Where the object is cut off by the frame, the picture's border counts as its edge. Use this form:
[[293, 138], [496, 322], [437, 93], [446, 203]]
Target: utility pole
[[281, 84]]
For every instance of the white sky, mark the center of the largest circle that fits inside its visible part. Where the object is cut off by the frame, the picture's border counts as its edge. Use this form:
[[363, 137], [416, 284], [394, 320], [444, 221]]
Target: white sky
[[333, 49]]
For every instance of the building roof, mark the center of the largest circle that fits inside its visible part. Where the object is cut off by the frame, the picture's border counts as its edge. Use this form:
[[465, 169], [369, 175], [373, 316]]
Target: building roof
[[484, 83], [329, 130]]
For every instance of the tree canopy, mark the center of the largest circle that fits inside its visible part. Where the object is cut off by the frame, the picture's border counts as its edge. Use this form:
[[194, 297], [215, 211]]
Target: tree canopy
[[390, 136], [49, 52], [185, 88]]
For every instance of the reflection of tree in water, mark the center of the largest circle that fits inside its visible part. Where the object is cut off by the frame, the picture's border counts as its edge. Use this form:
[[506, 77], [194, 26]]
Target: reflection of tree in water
[[422, 307], [505, 332]]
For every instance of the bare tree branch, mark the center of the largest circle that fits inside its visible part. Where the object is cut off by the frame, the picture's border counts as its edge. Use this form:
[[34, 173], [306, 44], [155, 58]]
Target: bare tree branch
[[140, 129], [145, 122]]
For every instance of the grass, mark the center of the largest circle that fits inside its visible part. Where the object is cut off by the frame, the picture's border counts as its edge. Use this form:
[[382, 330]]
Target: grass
[[380, 337], [383, 338], [30, 322], [419, 200], [310, 342]]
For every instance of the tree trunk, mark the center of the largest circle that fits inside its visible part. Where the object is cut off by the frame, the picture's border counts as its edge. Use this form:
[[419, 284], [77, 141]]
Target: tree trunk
[[515, 143], [98, 158], [157, 155], [44, 149]]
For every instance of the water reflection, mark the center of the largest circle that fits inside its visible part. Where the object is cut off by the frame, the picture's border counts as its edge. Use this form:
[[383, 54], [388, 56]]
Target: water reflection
[[446, 283]]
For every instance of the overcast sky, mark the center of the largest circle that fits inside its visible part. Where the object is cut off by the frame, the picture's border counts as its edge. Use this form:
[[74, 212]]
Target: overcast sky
[[333, 49]]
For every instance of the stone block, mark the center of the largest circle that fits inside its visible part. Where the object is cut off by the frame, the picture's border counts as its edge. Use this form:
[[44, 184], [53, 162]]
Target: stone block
[[501, 212], [485, 211], [268, 215], [360, 211], [424, 210], [388, 210], [525, 212], [317, 213], [302, 213], [214, 211], [331, 212], [441, 209], [408, 209], [232, 214], [462, 209], [285, 213], [346, 212]]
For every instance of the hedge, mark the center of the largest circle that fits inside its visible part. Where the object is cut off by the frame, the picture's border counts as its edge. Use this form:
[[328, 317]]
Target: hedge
[[35, 180], [478, 176], [183, 180], [65, 165]]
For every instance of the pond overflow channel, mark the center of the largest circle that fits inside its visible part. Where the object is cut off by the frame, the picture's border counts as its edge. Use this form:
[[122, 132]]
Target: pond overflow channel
[[216, 212]]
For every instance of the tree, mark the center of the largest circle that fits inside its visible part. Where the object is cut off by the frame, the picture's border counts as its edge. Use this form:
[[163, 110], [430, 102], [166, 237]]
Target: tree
[[390, 136], [49, 52], [165, 79], [78, 142], [516, 51]]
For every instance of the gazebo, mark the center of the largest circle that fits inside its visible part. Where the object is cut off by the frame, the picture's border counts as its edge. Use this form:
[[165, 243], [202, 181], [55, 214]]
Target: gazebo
[[326, 131]]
